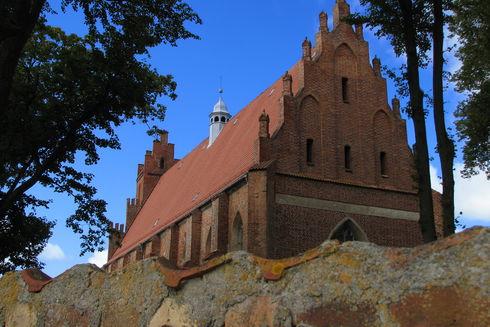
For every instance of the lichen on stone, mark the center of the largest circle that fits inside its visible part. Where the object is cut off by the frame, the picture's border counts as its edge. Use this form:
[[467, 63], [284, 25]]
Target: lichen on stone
[[445, 283]]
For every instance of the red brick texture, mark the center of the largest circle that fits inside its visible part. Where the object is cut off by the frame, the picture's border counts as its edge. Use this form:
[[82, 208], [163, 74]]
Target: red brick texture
[[332, 98], [185, 242], [238, 210], [157, 162]]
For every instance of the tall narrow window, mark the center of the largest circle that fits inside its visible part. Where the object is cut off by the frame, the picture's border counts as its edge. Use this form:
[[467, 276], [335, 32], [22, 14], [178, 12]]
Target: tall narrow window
[[208, 243], [309, 151], [237, 241], [347, 159], [382, 163], [345, 89], [161, 163]]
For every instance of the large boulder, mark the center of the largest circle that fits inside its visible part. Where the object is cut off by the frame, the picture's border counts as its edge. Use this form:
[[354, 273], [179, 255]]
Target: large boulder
[[446, 283]]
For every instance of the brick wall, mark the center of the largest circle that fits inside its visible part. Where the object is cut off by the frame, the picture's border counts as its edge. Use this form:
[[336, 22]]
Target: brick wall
[[165, 237], [297, 229], [157, 161], [184, 242], [237, 207], [258, 217], [364, 121], [294, 229], [309, 187], [152, 247], [208, 230]]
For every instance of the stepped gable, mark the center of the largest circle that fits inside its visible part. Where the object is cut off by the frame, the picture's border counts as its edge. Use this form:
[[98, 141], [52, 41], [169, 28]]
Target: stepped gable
[[205, 171]]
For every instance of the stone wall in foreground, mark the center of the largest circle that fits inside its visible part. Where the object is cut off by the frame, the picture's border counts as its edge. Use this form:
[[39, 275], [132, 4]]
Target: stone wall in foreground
[[446, 283]]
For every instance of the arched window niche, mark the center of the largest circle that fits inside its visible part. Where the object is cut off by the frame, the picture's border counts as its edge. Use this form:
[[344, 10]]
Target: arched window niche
[[208, 242], [348, 230], [237, 237]]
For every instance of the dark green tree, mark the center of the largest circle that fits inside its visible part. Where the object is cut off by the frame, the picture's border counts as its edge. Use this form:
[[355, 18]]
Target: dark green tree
[[406, 24], [471, 24], [65, 97]]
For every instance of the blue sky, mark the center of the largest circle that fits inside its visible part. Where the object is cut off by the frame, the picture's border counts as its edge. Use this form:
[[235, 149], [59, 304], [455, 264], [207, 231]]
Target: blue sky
[[250, 44]]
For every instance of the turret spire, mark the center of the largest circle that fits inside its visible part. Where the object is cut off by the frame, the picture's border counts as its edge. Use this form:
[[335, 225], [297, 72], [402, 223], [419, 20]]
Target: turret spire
[[218, 117]]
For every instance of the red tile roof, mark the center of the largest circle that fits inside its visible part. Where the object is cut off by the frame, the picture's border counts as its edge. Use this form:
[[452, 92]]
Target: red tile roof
[[204, 172]]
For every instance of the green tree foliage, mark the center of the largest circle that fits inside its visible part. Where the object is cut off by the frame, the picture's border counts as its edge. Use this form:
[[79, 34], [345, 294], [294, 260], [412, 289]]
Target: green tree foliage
[[66, 98], [407, 25], [471, 23]]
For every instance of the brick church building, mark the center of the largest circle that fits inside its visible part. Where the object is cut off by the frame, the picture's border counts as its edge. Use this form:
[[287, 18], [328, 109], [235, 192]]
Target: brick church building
[[318, 155]]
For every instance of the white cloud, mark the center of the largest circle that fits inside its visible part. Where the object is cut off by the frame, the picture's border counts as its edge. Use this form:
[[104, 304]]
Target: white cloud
[[471, 195], [98, 258], [52, 252], [435, 181], [452, 41]]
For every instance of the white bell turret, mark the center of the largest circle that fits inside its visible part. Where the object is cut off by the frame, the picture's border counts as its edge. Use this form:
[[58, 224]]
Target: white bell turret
[[218, 118]]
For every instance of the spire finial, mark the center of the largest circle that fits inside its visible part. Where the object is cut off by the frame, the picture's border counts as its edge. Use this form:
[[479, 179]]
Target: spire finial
[[220, 90]]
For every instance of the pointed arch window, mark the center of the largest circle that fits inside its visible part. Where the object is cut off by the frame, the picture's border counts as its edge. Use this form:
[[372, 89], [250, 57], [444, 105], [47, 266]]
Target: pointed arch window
[[237, 241], [348, 230], [216, 119], [223, 119]]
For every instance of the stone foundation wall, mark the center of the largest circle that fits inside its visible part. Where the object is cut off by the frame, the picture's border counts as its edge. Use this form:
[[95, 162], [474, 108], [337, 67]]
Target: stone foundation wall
[[445, 283]]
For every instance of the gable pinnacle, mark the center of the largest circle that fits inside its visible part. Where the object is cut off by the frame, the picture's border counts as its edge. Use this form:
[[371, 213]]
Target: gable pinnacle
[[264, 125], [323, 22], [306, 49], [340, 10], [377, 66]]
